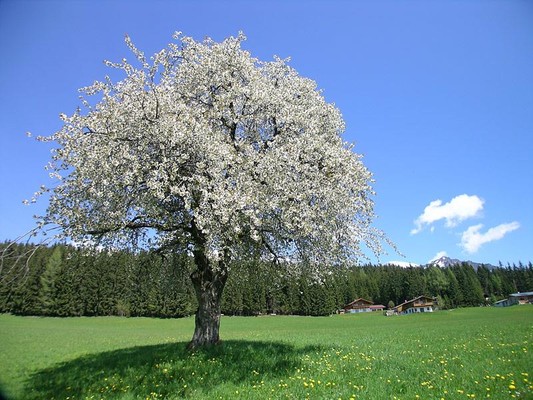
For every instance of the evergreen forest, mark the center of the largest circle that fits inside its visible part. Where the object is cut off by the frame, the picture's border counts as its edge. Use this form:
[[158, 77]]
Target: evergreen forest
[[65, 281]]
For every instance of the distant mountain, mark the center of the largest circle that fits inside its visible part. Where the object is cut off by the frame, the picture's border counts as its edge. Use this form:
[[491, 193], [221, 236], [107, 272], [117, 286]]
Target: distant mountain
[[445, 261], [442, 262], [403, 264]]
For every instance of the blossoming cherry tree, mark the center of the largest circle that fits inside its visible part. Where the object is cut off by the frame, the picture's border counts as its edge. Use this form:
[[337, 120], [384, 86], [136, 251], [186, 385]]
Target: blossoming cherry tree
[[205, 150]]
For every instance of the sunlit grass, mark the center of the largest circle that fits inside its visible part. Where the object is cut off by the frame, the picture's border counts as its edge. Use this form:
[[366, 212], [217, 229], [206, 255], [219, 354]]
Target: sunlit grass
[[460, 354]]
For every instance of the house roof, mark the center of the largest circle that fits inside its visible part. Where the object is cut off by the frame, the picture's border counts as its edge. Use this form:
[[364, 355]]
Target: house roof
[[521, 294], [413, 300], [359, 300]]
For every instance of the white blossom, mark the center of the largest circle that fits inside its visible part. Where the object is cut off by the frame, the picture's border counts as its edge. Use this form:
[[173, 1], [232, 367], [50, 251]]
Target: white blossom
[[203, 136]]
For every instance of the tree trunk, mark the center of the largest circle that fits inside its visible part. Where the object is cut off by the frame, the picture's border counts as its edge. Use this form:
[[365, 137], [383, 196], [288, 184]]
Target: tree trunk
[[208, 281], [208, 285]]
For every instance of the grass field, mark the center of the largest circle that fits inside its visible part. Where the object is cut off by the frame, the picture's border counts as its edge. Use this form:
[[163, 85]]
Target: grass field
[[459, 354]]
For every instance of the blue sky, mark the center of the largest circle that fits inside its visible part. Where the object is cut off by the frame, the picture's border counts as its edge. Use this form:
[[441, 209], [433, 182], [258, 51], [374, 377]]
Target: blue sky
[[437, 95]]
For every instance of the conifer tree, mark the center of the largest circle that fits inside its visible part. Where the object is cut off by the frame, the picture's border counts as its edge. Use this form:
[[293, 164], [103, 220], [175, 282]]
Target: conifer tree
[[48, 292]]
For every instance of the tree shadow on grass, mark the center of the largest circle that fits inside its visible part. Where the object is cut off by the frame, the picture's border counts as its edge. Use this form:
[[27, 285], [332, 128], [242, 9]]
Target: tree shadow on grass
[[166, 371]]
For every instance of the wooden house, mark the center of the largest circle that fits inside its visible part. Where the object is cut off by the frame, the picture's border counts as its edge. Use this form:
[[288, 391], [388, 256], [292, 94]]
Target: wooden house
[[416, 305], [521, 298], [362, 305], [516, 298]]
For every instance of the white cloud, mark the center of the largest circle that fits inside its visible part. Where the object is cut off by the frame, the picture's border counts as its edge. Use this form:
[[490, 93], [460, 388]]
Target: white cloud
[[439, 255], [472, 239], [455, 211]]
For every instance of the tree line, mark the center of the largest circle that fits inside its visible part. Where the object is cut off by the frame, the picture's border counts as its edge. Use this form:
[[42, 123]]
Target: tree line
[[65, 281]]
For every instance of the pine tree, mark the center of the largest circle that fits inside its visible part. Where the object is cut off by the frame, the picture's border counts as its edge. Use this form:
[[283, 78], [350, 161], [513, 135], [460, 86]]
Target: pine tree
[[49, 278], [436, 281], [454, 295]]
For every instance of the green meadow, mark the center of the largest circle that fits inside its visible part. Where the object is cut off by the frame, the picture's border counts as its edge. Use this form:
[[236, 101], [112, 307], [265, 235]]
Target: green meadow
[[458, 354]]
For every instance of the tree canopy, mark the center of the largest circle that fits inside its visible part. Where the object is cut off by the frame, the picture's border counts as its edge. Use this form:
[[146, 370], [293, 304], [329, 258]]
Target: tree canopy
[[203, 149]]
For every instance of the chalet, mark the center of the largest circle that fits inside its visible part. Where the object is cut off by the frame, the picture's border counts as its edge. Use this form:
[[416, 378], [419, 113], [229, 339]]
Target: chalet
[[521, 298], [416, 305], [362, 305], [516, 298]]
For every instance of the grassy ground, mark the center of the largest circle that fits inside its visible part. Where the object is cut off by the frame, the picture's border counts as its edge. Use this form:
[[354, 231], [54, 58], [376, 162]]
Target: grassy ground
[[460, 354]]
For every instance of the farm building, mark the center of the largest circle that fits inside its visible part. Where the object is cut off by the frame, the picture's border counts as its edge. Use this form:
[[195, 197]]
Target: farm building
[[416, 305], [521, 298], [362, 305], [502, 303], [516, 298]]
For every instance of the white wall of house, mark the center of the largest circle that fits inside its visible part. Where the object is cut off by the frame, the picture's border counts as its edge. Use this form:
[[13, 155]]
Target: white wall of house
[[360, 310], [414, 310]]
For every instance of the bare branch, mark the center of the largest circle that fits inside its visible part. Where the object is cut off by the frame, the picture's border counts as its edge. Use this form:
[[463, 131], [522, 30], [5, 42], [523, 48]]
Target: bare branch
[[19, 267]]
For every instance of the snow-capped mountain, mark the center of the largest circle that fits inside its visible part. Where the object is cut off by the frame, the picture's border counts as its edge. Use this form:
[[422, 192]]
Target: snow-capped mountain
[[403, 264], [441, 262], [445, 261]]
